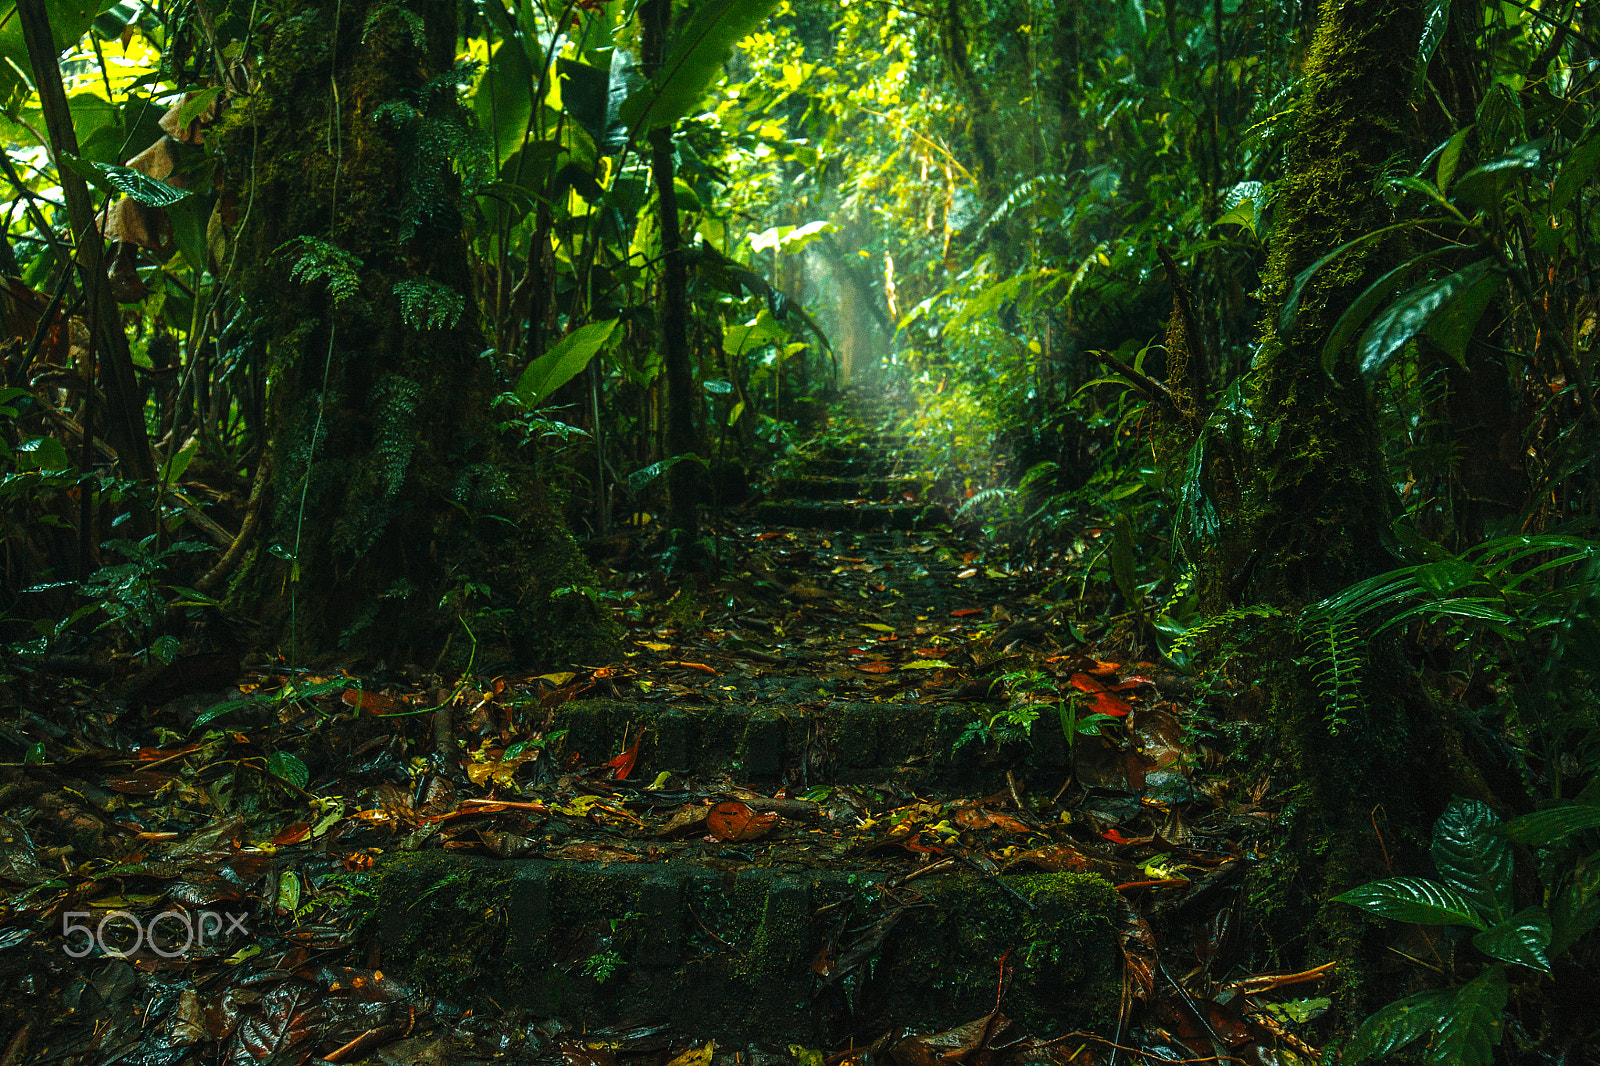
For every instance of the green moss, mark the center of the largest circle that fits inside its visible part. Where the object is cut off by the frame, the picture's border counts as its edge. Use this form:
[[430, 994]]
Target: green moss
[[440, 919]]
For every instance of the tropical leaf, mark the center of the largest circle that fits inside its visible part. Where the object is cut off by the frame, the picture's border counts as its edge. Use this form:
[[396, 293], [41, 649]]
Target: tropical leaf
[[1521, 939], [1471, 1028], [1410, 314], [1577, 906], [1550, 825], [1413, 899], [1396, 1025], [694, 59], [1576, 170], [562, 363], [1472, 857], [288, 766], [1480, 185]]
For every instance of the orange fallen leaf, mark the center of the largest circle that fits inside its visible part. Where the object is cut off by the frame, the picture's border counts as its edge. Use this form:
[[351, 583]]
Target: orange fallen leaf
[[878, 667], [732, 821], [291, 834], [1130, 682], [1115, 706], [1085, 683], [368, 702], [1104, 669], [965, 611], [978, 818], [697, 667]]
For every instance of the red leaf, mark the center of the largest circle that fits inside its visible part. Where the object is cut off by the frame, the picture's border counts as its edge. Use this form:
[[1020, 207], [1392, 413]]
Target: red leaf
[[1085, 683], [966, 611], [701, 668], [733, 821], [623, 764], [1115, 837], [879, 667], [292, 834], [1131, 682], [1115, 706]]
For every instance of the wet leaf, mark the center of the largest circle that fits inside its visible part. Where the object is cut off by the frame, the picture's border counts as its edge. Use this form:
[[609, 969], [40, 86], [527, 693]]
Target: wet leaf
[[700, 1056], [1542, 828], [926, 664], [732, 822], [1413, 899], [1470, 1030], [1522, 939], [622, 765], [288, 766], [878, 667], [1473, 858]]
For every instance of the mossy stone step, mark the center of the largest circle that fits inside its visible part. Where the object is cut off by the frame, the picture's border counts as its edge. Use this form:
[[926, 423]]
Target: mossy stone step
[[863, 466], [834, 488], [910, 744], [822, 514], [744, 954]]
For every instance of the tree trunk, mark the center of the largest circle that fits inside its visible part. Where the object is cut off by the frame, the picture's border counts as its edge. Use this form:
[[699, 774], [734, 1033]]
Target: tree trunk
[[684, 479], [1311, 512], [402, 522]]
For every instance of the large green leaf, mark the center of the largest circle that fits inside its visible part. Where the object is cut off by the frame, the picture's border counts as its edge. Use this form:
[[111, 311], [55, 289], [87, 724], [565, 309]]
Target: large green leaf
[[742, 340], [1549, 825], [1361, 308], [1576, 170], [504, 100], [585, 92], [1413, 899], [1409, 315], [1396, 1025], [1452, 327], [69, 20], [1471, 1029], [694, 59], [562, 363], [1471, 856], [1482, 185], [1577, 906], [1521, 939]]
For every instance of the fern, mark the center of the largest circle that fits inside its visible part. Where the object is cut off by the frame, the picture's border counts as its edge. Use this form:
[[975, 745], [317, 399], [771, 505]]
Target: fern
[[1339, 656], [412, 22], [979, 499], [1219, 624], [428, 304], [321, 261]]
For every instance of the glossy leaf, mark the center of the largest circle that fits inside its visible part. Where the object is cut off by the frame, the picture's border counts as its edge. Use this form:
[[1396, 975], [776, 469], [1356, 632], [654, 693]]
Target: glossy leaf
[[1472, 1027], [1480, 185], [1471, 856], [1452, 327], [1396, 1025], [1409, 315], [1550, 825], [1450, 158], [1362, 307], [694, 59], [1576, 171], [1521, 939], [1576, 909], [1413, 899], [288, 766], [562, 363]]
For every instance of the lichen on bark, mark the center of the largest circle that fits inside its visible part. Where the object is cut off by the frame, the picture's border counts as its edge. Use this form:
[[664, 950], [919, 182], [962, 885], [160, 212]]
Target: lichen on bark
[[402, 520]]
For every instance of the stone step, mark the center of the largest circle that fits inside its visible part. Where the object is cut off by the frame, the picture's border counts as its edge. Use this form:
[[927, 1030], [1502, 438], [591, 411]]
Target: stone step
[[832, 488], [861, 466], [735, 953], [909, 743], [822, 514]]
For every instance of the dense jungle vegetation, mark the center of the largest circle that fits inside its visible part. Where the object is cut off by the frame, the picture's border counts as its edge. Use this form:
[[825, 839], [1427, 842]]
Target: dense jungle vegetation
[[1260, 335]]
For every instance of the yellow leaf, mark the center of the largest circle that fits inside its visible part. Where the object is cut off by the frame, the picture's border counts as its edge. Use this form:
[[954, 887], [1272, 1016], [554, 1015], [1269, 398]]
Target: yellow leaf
[[879, 626], [579, 806], [557, 679], [700, 1056], [925, 664], [804, 1056], [655, 645], [660, 782]]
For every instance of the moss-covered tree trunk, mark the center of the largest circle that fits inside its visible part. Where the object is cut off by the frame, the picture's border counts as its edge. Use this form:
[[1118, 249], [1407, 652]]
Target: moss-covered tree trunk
[[1312, 514], [400, 518]]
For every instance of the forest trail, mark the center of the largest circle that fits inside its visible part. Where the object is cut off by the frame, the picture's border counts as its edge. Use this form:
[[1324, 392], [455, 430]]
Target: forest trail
[[826, 799], [841, 827]]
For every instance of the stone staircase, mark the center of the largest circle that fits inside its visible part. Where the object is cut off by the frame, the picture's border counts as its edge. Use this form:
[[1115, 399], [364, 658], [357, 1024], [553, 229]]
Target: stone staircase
[[820, 932]]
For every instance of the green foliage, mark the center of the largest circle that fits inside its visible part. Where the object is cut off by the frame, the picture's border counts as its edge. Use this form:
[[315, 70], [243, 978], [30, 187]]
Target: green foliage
[[320, 261], [428, 304], [1474, 861]]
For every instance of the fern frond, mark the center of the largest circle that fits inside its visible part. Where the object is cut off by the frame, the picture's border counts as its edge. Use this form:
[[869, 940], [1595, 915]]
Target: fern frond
[[1219, 624], [412, 22], [428, 304], [979, 499], [324, 262]]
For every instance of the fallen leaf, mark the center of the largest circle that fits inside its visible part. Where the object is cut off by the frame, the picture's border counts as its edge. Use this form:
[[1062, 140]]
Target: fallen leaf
[[965, 611], [622, 765], [1115, 706], [879, 626], [655, 645], [369, 702], [877, 667], [978, 818], [732, 821], [926, 664], [699, 668], [969, 572], [557, 679], [700, 1056]]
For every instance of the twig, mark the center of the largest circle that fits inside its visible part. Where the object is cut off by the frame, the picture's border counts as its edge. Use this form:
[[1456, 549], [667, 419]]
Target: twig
[[247, 531], [1154, 389]]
